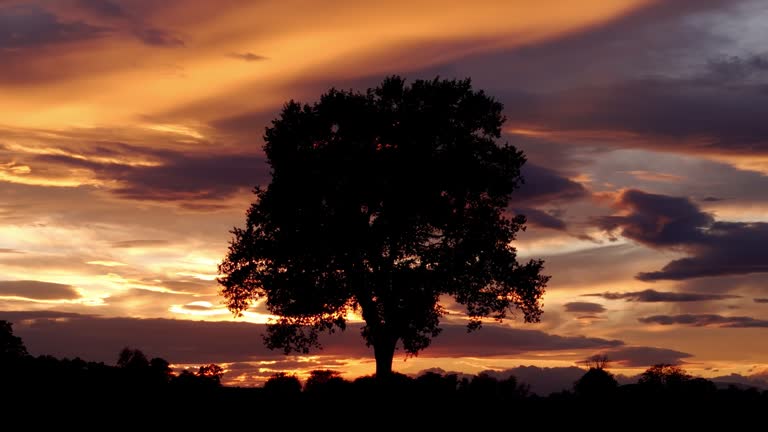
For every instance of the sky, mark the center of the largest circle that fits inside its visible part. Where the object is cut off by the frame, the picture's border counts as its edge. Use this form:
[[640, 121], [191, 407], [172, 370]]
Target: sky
[[131, 134]]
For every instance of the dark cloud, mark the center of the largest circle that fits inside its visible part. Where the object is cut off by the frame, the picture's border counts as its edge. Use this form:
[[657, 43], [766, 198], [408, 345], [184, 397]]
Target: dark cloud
[[26, 26], [737, 68], [658, 220], [712, 199], [729, 248], [189, 178], [177, 177], [105, 8], [685, 114], [542, 380], [761, 300], [100, 339], [196, 307], [584, 307], [590, 317], [544, 185], [158, 37], [140, 243], [663, 222], [644, 356], [250, 124], [38, 290], [657, 74], [706, 320], [175, 173], [653, 296], [541, 219], [757, 381], [9, 251], [247, 56], [500, 340], [182, 341]]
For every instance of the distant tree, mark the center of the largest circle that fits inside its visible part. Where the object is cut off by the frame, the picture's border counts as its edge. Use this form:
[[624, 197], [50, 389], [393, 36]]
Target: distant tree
[[597, 361], [211, 373], [486, 386], [664, 376], [205, 378], [12, 348], [283, 385], [483, 386], [133, 359], [325, 381], [185, 379], [383, 202], [435, 384], [511, 388], [596, 382], [700, 388], [160, 370]]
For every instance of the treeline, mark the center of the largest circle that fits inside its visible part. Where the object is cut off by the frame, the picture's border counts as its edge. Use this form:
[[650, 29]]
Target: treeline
[[48, 380], [660, 383], [149, 387]]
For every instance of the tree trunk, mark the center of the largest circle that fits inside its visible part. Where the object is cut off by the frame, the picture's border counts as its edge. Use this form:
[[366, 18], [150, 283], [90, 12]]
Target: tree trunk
[[384, 351]]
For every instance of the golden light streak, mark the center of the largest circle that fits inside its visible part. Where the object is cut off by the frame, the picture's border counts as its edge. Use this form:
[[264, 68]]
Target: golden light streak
[[85, 301], [74, 178], [655, 176], [176, 129], [200, 276], [106, 263], [39, 148]]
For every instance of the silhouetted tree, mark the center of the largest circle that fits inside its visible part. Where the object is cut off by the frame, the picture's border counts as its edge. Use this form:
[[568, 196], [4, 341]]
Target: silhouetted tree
[[211, 373], [511, 388], [597, 361], [437, 385], [483, 386], [382, 202], [486, 387], [283, 385], [160, 370], [12, 348], [596, 382], [325, 382], [663, 376], [132, 359]]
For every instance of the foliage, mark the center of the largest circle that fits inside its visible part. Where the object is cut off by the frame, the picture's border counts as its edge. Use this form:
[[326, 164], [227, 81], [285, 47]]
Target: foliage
[[11, 347], [383, 202], [664, 375], [485, 386], [283, 385], [325, 382], [132, 359], [597, 382], [597, 361]]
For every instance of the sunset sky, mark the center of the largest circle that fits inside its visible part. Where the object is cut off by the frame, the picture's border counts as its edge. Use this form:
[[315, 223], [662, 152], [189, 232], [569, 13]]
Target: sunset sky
[[131, 133]]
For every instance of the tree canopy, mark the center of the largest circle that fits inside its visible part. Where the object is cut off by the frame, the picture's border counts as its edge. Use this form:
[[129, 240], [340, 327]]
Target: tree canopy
[[11, 347], [382, 202]]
